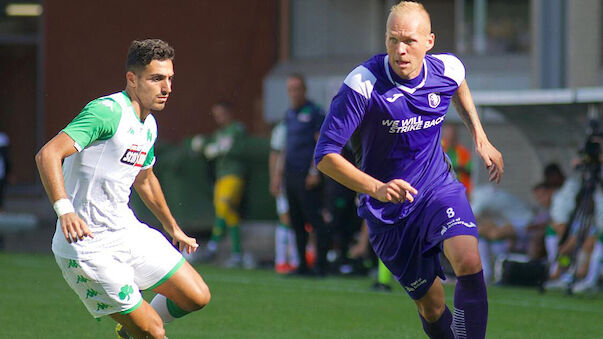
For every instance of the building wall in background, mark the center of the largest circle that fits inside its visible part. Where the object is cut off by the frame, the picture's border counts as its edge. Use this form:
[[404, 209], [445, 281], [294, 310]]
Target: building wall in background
[[223, 50], [18, 106]]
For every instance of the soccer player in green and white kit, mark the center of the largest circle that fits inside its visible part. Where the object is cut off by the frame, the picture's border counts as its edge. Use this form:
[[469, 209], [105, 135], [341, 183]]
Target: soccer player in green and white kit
[[105, 254]]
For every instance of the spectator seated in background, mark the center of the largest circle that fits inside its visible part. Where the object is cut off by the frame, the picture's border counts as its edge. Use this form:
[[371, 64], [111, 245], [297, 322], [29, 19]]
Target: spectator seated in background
[[542, 195], [503, 219], [588, 257], [553, 175]]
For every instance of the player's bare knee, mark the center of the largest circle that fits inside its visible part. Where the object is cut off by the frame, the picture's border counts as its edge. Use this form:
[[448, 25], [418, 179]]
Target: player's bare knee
[[203, 297], [200, 298], [469, 263], [431, 311]]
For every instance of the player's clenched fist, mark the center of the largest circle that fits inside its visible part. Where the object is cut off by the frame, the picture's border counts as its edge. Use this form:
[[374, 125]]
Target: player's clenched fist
[[395, 191]]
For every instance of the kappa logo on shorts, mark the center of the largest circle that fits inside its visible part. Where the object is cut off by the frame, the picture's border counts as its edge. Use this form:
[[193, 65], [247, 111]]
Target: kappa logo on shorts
[[134, 156], [454, 222], [101, 306]]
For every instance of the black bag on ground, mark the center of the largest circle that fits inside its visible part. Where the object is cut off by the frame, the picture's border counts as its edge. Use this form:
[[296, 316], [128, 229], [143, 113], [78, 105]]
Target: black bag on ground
[[531, 273]]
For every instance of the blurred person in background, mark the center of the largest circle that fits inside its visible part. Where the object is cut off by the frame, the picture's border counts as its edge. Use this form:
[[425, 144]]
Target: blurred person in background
[[542, 195], [303, 182], [553, 175], [459, 155], [395, 104], [224, 148], [286, 257], [105, 254], [589, 255], [5, 166], [340, 218], [503, 220]]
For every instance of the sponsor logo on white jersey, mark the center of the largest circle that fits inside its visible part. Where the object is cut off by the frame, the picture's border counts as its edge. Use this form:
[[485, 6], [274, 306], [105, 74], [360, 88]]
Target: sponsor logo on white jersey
[[134, 156], [434, 100], [394, 97]]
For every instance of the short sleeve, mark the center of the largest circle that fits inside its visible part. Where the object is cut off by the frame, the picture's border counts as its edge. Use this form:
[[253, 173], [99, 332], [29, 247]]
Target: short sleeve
[[278, 137], [345, 114], [150, 159], [453, 67], [97, 121]]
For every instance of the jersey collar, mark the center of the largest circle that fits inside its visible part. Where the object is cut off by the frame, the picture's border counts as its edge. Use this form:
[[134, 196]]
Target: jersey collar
[[396, 81], [129, 105]]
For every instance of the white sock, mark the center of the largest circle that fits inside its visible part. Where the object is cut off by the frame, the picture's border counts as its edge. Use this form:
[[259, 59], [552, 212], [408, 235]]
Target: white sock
[[280, 245], [593, 267], [212, 246], [292, 248], [551, 245], [159, 304]]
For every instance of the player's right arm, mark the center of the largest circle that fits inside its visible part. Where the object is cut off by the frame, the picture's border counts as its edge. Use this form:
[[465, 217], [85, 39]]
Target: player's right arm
[[98, 120], [49, 161], [342, 171], [345, 114]]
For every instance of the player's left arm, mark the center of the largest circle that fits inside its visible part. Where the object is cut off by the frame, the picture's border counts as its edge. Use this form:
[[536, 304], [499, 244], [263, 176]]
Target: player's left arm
[[148, 187], [463, 102]]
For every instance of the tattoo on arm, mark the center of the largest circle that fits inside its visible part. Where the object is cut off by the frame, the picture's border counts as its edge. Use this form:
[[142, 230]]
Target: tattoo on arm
[[463, 113]]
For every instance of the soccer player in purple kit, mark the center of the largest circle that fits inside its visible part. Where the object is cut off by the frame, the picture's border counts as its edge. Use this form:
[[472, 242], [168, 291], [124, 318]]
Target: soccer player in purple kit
[[395, 104]]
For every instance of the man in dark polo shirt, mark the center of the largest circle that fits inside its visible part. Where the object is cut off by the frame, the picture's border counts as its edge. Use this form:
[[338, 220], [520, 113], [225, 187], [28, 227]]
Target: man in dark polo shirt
[[302, 179]]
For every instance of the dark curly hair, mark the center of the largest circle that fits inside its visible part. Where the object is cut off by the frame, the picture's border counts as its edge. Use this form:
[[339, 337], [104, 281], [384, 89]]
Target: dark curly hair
[[142, 52]]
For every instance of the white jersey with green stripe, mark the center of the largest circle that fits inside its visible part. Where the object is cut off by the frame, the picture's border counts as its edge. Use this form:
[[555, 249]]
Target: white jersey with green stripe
[[113, 146]]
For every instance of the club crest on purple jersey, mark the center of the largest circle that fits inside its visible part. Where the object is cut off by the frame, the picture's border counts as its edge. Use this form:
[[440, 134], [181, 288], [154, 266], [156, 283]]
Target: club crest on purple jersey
[[434, 100]]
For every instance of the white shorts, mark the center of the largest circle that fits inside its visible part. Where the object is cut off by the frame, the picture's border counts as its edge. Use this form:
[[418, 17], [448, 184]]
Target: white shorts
[[111, 282]]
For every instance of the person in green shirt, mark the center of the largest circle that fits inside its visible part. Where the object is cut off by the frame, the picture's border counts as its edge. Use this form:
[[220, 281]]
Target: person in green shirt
[[225, 149]]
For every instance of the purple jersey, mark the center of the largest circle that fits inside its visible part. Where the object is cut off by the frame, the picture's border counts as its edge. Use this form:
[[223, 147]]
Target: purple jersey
[[398, 124]]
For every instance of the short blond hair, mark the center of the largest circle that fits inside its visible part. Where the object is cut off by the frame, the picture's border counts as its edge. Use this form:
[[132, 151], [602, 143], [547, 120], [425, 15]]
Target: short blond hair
[[405, 7]]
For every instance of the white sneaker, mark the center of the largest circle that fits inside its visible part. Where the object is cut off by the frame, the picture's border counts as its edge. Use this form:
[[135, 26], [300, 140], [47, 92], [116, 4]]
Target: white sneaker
[[235, 261], [249, 261], [558, 284], [584, 286]]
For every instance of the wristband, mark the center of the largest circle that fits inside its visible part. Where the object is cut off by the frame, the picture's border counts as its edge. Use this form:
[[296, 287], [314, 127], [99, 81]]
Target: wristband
[[63, 206], [313, 171]]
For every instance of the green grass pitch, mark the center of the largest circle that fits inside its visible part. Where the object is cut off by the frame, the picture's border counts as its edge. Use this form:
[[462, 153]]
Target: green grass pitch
[[35, 302]]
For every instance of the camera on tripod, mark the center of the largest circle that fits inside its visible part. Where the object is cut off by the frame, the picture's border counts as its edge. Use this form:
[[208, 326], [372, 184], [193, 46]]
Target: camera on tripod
[[591, 151]]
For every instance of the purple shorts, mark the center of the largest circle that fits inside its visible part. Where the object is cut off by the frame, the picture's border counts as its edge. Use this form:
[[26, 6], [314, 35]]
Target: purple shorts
[[410, 249]]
